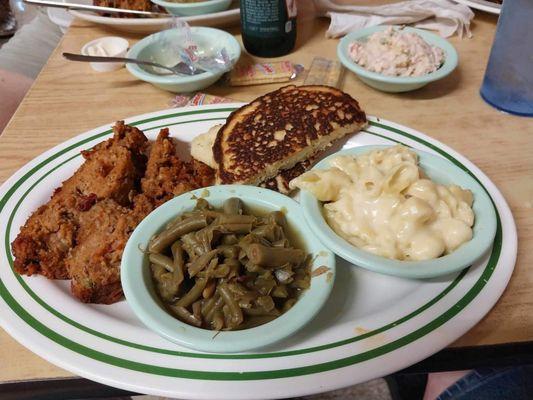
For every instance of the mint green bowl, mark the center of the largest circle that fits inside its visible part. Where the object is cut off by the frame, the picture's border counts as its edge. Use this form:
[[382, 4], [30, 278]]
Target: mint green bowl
[[141, 297], [155, 48], [397, 83], [438, 169], [196, 8]]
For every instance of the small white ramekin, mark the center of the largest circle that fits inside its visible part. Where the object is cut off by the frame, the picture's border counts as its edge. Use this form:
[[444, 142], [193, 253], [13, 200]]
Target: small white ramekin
[[120, 46]]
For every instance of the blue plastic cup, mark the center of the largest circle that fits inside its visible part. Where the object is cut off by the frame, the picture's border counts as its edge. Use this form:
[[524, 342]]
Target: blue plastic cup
[[508, 82]]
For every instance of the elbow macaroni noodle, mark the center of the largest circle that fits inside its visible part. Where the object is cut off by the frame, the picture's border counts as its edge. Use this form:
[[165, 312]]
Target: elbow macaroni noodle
[[383, 203]]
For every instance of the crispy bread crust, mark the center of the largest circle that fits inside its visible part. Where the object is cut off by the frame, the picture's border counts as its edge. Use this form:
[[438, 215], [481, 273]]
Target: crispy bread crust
[[280, 129]]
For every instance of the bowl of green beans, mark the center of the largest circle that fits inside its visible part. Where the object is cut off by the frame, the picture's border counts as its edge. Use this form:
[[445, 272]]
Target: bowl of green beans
[[226, 269]]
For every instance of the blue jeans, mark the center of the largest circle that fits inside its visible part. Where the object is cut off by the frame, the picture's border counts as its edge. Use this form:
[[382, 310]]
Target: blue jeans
[[493, 384]]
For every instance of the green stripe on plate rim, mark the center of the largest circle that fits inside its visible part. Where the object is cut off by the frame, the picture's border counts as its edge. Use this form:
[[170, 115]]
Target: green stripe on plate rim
[[164, 371]]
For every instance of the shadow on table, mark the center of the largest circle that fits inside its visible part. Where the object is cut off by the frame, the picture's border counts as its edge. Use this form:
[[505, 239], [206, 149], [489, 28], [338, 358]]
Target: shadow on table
[[436, 89]]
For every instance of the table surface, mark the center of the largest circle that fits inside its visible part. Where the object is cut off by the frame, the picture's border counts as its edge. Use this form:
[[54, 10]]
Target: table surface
[[69, 98]]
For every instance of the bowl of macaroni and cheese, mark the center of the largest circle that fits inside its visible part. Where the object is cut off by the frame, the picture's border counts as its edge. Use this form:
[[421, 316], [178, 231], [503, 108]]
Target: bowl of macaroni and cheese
[[398, 211]]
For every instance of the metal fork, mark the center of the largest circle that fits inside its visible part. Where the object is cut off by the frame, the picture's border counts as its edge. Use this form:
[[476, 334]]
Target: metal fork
[[180, 68]]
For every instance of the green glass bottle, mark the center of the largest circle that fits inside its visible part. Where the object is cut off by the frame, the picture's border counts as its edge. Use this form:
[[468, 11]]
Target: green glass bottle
[[268, 26]]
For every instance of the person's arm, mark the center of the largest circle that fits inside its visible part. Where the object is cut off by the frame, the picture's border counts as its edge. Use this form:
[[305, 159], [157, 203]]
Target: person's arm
[[13, 88]]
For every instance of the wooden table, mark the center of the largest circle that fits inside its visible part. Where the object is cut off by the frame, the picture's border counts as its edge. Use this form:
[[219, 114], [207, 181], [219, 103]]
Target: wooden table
[[69, 98]]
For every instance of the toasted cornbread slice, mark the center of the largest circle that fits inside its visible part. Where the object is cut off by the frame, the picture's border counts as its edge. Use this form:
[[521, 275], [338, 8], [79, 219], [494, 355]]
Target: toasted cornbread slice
[[280, 129], [202, 150]]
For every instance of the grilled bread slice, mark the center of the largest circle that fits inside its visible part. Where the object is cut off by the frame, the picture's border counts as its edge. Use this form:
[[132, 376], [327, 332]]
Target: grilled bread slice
[[280, 129], [202, 150]]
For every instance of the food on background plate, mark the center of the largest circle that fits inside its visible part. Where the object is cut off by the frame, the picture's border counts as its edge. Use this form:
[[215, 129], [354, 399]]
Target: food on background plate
[[81, 232], [396, 52], [383, 203], [227, 269], [136, 5]]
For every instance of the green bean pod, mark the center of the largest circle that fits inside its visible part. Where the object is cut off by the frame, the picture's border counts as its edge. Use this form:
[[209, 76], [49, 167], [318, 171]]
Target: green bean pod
[[233, 206], [179, 263], [201, 262], [235, 310], [193, 294], [169, 236], [186, 316], [274, 256]]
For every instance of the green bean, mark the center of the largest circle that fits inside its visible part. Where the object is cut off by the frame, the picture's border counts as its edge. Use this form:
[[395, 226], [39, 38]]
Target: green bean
[[165, 282], [251, 267], [157, 271], [264, 284], [227, 317], [221, 271], [256, 321], [191, 245], [207, 236], [228, 250], [301, 283], [236, 228], [202, 204], [201, 262], [209, 289], [237, 289], [252, 238], [218, 321], [284, 274], [278, 218], [193, 294], [236, 312], [266, 302], [179, 263], [209, 304], [234, 270], [246, 300], [185, 316], [229, 219], [273, 256], [280, 291], [175, 221], [197, 309], [281, 243], [164, 261], [288, 305], [165, 238], [270, 232], [229, 239], [233, 206], [217, 307], [167, 286], [260, 311]]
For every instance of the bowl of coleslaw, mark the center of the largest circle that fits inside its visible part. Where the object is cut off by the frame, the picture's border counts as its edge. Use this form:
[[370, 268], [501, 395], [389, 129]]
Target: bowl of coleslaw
[[395, 58]]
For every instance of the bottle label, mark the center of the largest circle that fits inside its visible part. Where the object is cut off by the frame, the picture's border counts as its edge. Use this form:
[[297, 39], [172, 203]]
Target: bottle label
[[262, 18]]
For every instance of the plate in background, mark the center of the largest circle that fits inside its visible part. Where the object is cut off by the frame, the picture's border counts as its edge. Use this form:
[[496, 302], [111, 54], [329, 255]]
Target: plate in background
[[150, 25]]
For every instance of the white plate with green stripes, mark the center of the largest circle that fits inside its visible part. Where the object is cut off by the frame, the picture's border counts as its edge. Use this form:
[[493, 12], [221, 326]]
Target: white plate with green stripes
[[371, 326]]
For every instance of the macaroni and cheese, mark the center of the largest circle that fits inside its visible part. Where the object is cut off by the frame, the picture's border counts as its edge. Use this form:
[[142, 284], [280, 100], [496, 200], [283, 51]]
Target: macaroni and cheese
[[382, 202]]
